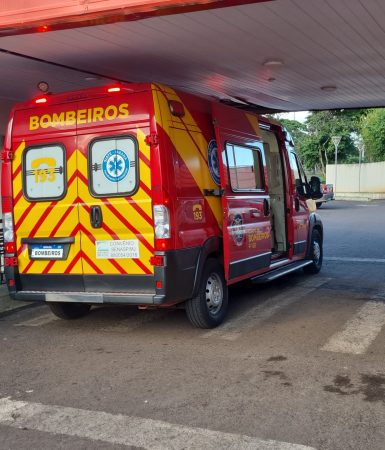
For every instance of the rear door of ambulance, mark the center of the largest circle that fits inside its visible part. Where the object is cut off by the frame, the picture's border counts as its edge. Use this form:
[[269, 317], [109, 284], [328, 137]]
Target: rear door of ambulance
[[45, 198], [81, 189], [114, 188]]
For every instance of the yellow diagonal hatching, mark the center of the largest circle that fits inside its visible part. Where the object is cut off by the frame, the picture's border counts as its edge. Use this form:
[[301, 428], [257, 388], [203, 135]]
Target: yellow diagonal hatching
[[186, 142], [112, 221], [17, 156], [53, 215], [143, 147], [253, 119]]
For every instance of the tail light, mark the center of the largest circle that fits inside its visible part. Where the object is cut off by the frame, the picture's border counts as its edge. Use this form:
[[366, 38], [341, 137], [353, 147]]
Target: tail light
[[9, 239], [161, 222], [161, 227], [8, 231]]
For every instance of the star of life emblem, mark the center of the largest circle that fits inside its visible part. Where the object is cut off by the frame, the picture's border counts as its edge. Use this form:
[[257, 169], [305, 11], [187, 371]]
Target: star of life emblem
[[115, 165]]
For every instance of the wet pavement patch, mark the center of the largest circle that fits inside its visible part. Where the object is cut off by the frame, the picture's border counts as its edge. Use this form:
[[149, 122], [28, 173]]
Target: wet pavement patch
[[275, 373], [277, 358], [372, 386]]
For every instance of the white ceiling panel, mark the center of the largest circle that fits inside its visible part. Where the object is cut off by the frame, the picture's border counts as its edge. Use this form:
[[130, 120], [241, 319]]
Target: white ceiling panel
[[222, 52]]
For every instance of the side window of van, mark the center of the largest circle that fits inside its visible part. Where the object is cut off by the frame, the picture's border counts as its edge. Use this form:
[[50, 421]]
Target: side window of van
[[44, 174], [113, 167], [245, 167], [298, 173]]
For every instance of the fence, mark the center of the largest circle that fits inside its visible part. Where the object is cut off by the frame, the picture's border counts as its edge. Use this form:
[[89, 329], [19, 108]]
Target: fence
[[366, 179]]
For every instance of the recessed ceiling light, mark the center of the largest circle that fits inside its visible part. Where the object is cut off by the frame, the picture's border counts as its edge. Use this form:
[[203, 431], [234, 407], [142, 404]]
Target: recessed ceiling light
[[91, 78], [273, 63], [43, 86], [329, 88]]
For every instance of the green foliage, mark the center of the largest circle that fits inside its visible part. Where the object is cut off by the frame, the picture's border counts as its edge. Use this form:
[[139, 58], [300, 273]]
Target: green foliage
[[373, 134], [313, 138]]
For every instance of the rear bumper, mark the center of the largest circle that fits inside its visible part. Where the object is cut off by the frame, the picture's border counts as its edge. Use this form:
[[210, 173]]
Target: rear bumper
[[93, 298], [170, 284], [326, 197]]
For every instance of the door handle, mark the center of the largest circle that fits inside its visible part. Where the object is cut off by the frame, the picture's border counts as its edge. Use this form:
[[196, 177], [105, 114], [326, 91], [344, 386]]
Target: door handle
[[266, 207], [254, 213], [96, 216], [296, 203]]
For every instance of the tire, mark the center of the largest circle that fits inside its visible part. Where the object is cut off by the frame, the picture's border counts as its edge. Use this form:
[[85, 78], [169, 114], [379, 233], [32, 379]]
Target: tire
[[209, 307], [318, 205], [316, 252], [69, 311]]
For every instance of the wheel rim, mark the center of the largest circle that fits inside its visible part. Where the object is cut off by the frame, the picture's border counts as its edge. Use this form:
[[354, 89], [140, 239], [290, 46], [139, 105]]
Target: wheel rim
[[214, 293], [316, 252]]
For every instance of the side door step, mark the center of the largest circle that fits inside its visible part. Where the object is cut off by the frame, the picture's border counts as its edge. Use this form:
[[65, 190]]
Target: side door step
[[281, 271]]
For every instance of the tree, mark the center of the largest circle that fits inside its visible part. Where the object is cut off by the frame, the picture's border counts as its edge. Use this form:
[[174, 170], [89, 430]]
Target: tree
[[314, 143], [373, 134]]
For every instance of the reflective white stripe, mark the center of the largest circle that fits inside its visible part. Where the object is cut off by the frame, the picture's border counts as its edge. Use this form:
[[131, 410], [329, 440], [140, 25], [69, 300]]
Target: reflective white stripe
[[126, 430], [347, 259], [360, 331]]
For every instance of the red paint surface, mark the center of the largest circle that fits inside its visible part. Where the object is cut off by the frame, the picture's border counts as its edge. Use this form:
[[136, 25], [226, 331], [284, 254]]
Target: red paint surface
[[51, 15]]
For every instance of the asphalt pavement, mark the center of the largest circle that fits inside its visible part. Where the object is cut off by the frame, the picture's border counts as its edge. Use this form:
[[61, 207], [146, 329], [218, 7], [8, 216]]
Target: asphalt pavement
[[7, 305], [298, 365]]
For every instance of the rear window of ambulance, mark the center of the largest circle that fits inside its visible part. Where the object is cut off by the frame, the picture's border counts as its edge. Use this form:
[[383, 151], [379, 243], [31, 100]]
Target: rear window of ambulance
[[113, 166], [44, 174]]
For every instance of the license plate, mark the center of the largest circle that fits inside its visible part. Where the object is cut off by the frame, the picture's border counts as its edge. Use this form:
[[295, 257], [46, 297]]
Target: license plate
[[53, 251]]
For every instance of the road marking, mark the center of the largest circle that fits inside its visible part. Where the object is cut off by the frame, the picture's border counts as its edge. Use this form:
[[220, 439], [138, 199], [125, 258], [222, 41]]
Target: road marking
[[359, 332], [233, 329], [348, 259], [37, 321], [127, 430]]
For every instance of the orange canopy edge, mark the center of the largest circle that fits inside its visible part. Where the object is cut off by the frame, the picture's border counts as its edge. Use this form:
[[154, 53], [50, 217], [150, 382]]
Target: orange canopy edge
[[29, 16]]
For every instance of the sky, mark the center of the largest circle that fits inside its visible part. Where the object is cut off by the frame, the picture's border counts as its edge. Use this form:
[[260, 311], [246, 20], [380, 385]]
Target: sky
[[298, 115]]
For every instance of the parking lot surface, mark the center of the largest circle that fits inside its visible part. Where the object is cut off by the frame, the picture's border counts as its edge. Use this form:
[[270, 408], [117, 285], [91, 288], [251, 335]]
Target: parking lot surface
[[298, 364]]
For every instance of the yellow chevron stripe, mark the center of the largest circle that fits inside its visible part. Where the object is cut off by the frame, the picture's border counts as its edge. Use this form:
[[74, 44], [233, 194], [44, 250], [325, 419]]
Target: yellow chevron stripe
[[254, 123], [117, 227], [186, 145], [105, 266], [143, 147], [18, 156]]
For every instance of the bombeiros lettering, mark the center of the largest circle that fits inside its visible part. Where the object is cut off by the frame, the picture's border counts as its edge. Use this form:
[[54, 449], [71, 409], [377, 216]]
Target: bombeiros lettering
[[78, 117]]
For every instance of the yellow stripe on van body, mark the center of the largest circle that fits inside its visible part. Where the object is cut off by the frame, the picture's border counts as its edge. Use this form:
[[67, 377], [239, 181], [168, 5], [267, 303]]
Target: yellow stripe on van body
[[18, 156], [66, 209], [185, 138], [143, 147], [115, 225], [254, 123]]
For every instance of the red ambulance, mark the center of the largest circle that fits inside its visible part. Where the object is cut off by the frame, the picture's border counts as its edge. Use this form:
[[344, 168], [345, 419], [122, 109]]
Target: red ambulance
[[142, 195]]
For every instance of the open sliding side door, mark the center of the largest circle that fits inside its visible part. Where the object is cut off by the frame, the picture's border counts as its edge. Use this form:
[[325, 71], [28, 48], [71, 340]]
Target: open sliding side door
[[247, 237]]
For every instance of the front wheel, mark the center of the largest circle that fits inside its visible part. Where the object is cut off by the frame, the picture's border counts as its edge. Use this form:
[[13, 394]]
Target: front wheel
[[209, 307], [69, 310], [316, 253]]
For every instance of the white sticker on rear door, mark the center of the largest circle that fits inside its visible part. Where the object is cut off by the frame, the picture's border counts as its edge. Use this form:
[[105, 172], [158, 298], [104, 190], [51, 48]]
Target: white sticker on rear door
[[117, 249]]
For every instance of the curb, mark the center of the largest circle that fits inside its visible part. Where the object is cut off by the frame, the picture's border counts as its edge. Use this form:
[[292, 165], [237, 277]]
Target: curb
[[15, 307], [8, 312]]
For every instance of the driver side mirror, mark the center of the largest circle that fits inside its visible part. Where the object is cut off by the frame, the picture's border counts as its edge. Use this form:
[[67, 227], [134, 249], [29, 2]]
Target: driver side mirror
[[315, 188]]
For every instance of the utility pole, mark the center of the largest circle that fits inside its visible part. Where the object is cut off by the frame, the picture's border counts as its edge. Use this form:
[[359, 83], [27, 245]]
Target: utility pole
[[336, 141]]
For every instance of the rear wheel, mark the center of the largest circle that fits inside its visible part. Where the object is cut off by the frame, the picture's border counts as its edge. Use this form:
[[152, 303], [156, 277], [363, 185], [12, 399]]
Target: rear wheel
[[69, 310], [316, 253], [209, 307]]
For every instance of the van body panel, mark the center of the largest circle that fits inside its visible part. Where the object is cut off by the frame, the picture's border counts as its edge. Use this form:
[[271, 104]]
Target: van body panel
[[84, 170]]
